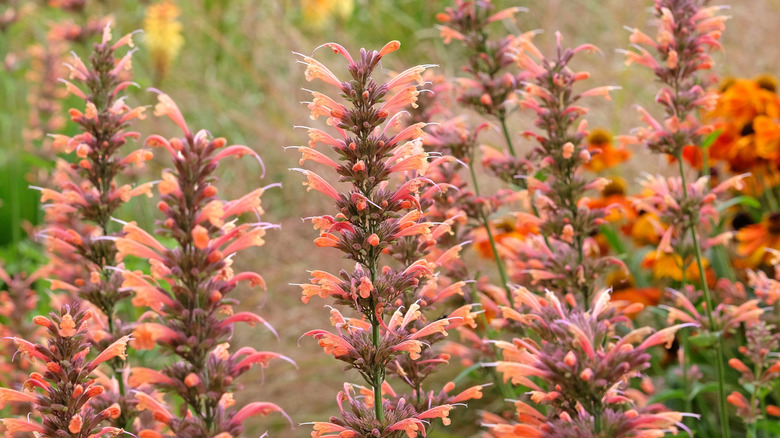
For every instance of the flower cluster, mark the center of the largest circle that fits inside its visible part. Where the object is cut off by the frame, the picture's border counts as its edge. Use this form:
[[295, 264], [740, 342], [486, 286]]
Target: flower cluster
[[491, 87], [188, 290], [47, 57], [676, 209], [18, 301], [687, 31], [64, 390], [579, 366], [746, 117]]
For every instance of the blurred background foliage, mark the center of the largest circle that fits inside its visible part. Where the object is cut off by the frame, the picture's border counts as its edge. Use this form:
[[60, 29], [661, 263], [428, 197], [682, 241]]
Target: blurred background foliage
[[235, 75]]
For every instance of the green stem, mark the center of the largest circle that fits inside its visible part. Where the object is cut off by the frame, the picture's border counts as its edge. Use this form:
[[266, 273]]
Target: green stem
[[507, 136], [751, 432], [686, 357], [377, 384], [487, 333], [722, 406], [764, 424], [685, 375], [752, 427], [486, 224], [597, 420], [511, 147]]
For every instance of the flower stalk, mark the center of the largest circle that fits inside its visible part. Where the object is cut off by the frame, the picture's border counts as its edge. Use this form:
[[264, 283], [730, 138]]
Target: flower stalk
[[687, 31]]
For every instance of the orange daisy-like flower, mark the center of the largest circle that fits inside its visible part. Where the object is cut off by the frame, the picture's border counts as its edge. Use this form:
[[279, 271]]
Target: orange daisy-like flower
[[613, 199], [748, 113], [604, 154], [754, 240], [670, 265], [647, 229], [503, 229], [625, 294]]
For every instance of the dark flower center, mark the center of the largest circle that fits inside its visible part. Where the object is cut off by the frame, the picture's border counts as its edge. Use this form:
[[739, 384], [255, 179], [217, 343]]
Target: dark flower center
[[773, 223]]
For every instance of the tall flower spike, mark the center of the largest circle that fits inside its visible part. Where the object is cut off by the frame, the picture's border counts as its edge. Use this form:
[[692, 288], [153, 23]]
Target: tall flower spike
[[490, 89], [563, 257], [371, 217], [687, 30], [189, 289], [80, 231], [162, 35]]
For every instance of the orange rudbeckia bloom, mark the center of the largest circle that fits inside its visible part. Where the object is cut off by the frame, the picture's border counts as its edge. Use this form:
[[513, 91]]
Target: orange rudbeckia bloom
[[647, 229], [506, 228], [625, 292], [604, 155], [754, 240], [614, 196], [670, 265], [747, 115]]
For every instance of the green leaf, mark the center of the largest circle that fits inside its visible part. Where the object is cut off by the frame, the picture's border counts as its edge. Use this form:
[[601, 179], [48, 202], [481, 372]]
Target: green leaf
[[745, 200], [540, 175], [771, 425], [704, 339], [721, 263], [466, 372], [613, 239], [710, 139], [707, 387], [669, 394]]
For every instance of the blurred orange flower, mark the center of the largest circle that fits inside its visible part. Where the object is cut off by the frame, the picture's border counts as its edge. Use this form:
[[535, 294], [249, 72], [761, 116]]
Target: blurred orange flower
[[505, 228], [613, 199], [647, 229], [748, 116], [604, 155], [670, 265], [754, 240], [625, 293]]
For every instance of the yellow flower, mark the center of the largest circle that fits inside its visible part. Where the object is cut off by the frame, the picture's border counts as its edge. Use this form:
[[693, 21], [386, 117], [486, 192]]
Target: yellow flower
[[665, 265], [162, 35], [647, 230], [316, 13]]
